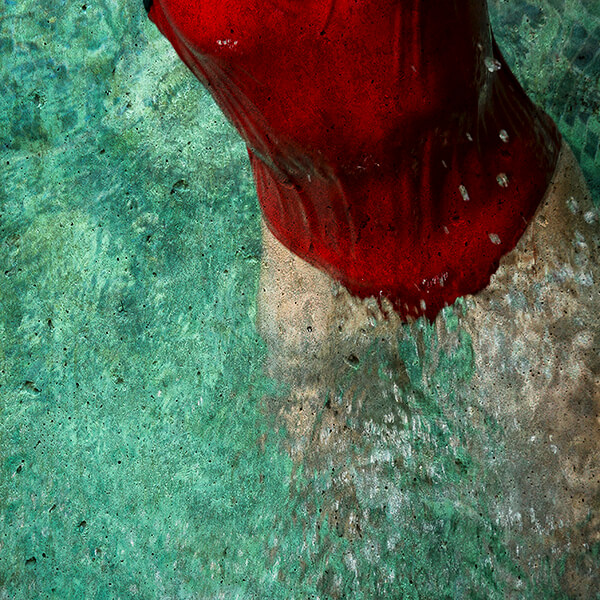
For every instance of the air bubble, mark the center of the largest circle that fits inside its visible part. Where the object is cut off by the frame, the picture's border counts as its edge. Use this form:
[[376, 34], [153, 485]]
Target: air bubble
[[495, 239], [590, 217], [446, 230], [502, 180], [504, 136], [423, 305], [469, 137], [492, 64], [573, 206], [463, 192], [229, 43]]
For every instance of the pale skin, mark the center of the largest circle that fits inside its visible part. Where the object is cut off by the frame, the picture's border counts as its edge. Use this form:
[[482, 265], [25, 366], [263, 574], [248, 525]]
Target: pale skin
[[543, 302], [532, 333]]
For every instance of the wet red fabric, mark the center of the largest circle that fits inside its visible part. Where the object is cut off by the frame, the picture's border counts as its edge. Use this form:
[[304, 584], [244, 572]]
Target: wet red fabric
[[391, 145]]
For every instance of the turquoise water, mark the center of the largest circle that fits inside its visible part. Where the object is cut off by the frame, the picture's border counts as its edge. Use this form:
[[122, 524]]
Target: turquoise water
[[141, 455]]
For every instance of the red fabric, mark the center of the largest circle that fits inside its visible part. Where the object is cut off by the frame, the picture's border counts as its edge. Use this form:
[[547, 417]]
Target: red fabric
[[390, 143]]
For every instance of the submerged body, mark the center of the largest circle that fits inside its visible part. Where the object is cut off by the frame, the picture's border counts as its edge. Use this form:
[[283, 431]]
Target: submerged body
[[397, 173], [391, 145], [532, 338]]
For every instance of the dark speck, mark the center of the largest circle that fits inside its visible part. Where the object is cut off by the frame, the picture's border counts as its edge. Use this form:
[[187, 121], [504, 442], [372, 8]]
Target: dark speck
[[352, 360], [31, 385]]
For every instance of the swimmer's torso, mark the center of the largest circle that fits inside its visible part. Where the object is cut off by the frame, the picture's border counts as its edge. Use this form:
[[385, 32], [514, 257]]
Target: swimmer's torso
[[391, 145]]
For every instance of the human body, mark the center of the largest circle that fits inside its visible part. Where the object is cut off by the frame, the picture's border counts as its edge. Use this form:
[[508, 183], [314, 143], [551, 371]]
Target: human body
[[398, 172]]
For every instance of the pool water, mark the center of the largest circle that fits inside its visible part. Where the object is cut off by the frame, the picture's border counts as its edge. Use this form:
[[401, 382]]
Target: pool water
[[143, 453]]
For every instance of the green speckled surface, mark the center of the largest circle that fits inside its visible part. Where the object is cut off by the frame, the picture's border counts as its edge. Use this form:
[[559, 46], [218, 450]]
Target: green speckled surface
[[139, 452]]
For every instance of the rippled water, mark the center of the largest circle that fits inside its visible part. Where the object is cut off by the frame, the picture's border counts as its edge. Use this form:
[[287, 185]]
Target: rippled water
[[144, 452]]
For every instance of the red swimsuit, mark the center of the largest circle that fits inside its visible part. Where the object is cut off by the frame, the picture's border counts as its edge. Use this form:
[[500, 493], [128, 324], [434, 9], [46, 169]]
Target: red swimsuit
[[391, 145]]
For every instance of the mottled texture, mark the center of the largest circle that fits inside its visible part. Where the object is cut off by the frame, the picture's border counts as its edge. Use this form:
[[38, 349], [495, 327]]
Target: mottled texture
[[137, 456], [507, 379], [536, 346]]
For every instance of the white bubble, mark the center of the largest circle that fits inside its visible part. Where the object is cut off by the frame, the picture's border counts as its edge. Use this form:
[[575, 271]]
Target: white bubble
[[502, 180], [590, 217], [504, 136], [495, 239], [230, 43], [463, 192], [573, 205], [492, 64]]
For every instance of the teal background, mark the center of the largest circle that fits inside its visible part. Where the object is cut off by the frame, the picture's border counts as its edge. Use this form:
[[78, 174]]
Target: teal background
[[139, 452]]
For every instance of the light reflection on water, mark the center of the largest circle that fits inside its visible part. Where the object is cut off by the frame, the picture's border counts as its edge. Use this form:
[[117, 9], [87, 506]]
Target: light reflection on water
[[133, 392]]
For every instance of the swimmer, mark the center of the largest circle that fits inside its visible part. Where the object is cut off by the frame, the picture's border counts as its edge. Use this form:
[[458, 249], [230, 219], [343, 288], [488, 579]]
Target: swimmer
[[400, 166]]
